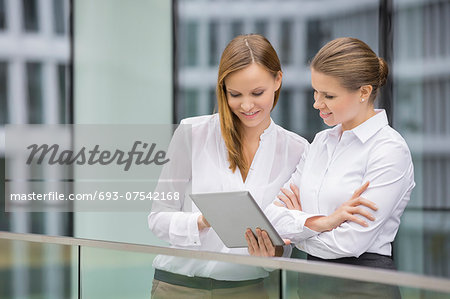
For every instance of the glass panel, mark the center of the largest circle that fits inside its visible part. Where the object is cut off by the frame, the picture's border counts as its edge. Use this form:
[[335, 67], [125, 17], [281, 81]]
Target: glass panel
[[303, 285], [122, 75], [30, 15], [119, 274], [421, 91], [36, 270]]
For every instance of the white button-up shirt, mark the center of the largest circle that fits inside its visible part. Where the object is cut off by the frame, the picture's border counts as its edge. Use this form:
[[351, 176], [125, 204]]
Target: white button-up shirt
[[278, 154], [336, 165]]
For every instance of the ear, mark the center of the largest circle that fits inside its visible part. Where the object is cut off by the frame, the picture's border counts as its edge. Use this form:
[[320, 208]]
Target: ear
[[365, 91], [278, 79]]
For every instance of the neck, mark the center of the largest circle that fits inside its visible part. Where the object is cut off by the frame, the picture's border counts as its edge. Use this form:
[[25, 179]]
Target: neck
[[253, 134], [362, 117]]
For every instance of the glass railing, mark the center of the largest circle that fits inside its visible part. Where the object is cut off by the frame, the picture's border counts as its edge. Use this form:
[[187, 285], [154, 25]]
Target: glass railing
[[38, 266]]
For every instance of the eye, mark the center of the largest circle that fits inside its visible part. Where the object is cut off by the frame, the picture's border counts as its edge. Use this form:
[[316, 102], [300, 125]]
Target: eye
[[329, 97], [234, 95], [257, 93]]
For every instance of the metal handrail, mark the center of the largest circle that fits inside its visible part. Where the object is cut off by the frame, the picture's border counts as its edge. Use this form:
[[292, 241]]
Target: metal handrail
[[310, 267]]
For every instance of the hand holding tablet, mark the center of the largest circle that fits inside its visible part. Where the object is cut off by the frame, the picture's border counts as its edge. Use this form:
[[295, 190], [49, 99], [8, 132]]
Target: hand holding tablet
[[231, 214]]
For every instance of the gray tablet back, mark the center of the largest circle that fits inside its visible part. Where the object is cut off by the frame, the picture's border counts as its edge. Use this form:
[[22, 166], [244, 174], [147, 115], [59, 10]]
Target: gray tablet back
[[231, 213]]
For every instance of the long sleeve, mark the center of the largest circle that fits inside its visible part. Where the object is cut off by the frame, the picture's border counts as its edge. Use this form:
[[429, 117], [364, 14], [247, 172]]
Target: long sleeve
[[290, 224], [169, 219], [390, 173]]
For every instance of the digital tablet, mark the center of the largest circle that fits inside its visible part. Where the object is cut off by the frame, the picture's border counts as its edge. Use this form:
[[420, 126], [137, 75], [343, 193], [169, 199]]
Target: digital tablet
[[231, 213]]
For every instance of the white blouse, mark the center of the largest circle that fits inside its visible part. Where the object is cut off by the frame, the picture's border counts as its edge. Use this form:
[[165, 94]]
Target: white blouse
[[336, 165], [278, 153]]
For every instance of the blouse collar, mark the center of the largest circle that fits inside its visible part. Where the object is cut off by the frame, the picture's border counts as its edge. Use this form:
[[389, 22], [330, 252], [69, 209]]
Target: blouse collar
[[367, 129], [268, 132]]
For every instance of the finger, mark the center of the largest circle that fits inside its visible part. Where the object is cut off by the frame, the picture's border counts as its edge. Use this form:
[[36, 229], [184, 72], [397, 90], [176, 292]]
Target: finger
[[362, 212], [288, 194], [277, 203], [268, 243], [291, 197], [357, 220], [296, 192], [367, 203], [360, 190], [250, 249], [287, 241], [262, 247], [286, 201], [253, 241]]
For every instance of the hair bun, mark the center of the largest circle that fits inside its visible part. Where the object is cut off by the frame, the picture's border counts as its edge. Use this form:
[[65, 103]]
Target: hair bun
[[384, 71]]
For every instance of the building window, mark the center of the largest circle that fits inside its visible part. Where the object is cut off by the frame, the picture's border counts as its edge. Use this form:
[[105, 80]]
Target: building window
[[30, 15], [2, 15], [62, 92], [213, 43], [212, 101], [261, 27], [59, 18], [189, 98], [286, 42], [237, 28], [188, 37], [34, 95], [3, 93]]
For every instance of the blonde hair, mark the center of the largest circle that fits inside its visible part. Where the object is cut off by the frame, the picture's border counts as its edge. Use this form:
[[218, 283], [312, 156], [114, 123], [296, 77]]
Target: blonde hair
[[353, 62], [241, 52]]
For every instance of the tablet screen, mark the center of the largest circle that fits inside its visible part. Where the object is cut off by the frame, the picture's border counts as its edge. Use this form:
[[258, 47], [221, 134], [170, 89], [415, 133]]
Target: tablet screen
[[231, 213]]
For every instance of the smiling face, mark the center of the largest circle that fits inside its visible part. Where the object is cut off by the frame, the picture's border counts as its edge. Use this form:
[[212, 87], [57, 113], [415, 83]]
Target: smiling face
[[250, 95], [338, 105]]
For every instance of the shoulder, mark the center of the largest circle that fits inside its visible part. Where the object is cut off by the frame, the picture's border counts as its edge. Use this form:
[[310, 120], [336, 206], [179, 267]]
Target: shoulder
[[200, 120], [389, 141], [388, 147], [290, 136], [202, 128]]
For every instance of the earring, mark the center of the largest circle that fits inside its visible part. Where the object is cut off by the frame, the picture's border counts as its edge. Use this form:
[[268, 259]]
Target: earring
[[362, 100]]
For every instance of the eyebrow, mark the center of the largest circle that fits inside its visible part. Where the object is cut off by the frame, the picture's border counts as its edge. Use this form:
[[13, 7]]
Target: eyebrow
[[259, 87], [326, 92]]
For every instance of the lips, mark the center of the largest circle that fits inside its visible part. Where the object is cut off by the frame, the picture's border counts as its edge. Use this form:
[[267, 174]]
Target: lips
[[250, 115], [325, 114]]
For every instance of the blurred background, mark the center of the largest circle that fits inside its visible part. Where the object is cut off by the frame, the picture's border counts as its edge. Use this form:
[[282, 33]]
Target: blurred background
[[155, 62]]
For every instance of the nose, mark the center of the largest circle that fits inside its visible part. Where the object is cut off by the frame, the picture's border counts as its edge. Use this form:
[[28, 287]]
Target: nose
[[318, 103], [247, 105]]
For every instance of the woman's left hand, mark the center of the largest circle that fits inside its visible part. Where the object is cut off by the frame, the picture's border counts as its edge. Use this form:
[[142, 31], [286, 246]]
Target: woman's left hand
[[262, 245], [291, 199]]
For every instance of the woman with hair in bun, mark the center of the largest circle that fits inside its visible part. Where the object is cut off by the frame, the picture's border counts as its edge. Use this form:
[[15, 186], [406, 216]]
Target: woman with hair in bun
[[360, 149]]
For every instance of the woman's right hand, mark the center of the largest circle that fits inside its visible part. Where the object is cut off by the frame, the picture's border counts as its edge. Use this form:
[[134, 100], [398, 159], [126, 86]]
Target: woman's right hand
[[346, 212], [202, 223]]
